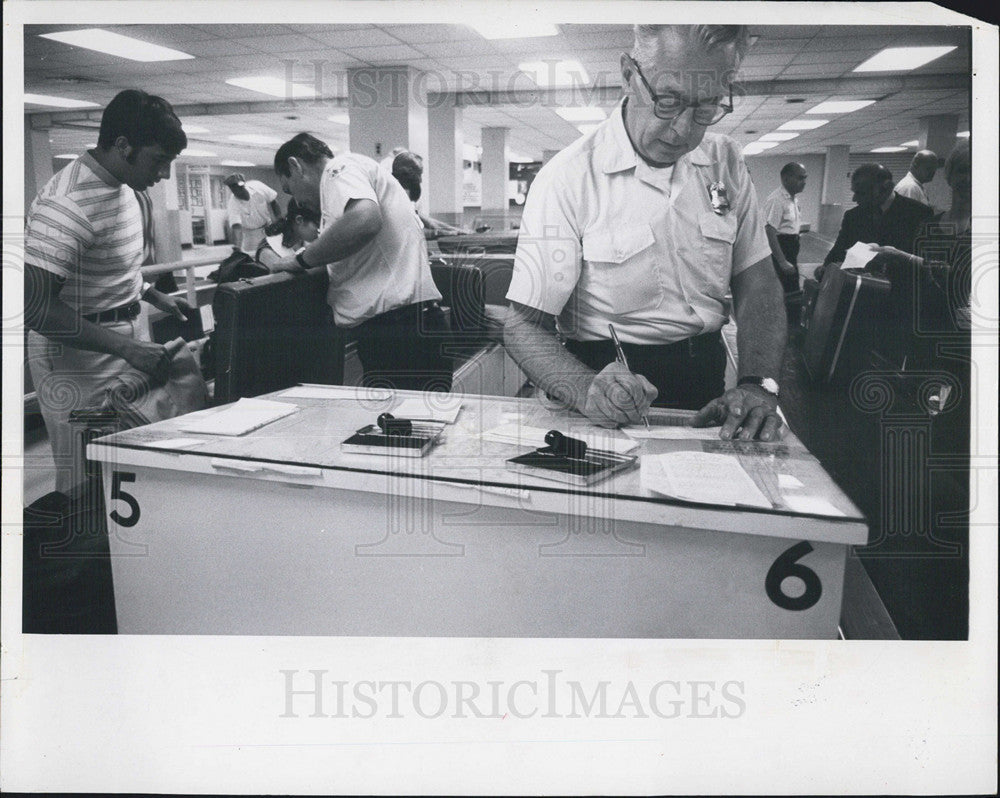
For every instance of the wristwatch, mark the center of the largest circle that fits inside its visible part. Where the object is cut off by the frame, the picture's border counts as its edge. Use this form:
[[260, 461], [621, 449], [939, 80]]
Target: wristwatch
[[768, 384]]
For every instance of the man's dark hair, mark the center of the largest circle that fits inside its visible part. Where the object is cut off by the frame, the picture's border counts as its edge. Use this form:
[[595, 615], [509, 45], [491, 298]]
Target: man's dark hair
[[305, 147], [144, 120], [408, 170], [789, 169], [874, 172], [286, 223]]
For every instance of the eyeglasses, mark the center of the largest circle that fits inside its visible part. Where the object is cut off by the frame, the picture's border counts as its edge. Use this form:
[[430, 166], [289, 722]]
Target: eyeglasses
[[671, 105]]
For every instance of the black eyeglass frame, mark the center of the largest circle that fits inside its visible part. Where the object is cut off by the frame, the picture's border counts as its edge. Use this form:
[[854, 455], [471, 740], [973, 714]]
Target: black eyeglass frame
[[724, 108]]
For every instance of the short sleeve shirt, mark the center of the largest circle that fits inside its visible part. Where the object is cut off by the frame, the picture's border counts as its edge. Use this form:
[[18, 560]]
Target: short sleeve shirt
[[390, 271], [781, 211], [605, 238], [910, 187], [86, 227], [255, 212]]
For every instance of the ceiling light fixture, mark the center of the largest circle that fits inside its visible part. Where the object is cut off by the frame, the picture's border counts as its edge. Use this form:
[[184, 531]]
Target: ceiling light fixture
[[275, 87], [236, 163], [104, 41], [756, 147], [198, 154], [585, 129], [888, 149], [779, 136], [964, 134], [194, 128], [582, 113], [340, 119], [255, 138], [840, 106], [913, 143], [901, 59], [57, 102], [497, 28], [803, 124], [67, 156]]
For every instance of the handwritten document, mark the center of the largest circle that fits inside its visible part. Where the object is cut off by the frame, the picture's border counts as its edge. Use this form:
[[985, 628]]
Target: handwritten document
[[701, 477]]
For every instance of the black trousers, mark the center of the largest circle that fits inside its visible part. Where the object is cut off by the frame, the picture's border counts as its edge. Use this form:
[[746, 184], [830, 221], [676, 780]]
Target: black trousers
[[688, 374], [404, 349], [790, 247]]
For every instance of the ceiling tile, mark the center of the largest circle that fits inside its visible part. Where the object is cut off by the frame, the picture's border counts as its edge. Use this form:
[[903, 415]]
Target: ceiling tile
[[369, 36]]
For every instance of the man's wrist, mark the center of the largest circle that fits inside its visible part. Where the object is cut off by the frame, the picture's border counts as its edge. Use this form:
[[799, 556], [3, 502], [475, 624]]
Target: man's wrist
[[301, 260], [766, 384]]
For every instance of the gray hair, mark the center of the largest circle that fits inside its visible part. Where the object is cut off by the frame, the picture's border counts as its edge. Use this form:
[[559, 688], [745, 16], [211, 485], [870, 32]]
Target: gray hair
[[711, 37]]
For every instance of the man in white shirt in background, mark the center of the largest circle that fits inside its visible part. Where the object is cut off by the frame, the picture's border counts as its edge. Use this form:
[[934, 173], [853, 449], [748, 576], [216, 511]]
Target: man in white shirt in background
[[922, 170], [252, 207], [782, 222]]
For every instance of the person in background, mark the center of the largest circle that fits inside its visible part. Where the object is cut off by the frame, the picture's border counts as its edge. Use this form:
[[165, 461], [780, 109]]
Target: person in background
[[408, 169], [252, 206], [881, 216], [83, 252], [380, 279], [288, 235], [922, 169], [782, 222], [647, 223]]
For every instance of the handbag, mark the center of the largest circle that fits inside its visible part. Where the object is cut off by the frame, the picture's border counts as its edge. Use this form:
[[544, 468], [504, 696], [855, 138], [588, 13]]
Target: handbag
[[139, 400], [237, 266]]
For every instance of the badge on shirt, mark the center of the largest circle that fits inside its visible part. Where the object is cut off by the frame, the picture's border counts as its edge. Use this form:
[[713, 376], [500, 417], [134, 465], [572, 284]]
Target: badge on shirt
[[720, 199]]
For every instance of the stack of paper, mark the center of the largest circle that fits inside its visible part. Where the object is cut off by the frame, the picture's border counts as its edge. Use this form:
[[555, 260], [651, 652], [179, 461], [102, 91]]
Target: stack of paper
[[702, 477], [240, 418], [522, 435], [857, 257]]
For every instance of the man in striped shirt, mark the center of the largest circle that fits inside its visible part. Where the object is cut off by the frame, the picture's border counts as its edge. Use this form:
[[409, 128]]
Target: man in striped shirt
[[83, 252]]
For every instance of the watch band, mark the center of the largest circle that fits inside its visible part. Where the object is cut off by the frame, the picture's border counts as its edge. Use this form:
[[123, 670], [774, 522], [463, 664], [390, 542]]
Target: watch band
[[767, 383], [300, 259], [145, 289]]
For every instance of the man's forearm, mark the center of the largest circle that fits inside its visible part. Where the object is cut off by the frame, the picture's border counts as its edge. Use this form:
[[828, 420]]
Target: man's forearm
[[64, 325], [535, 347], [761, 330], [349, 234], [776, 250]]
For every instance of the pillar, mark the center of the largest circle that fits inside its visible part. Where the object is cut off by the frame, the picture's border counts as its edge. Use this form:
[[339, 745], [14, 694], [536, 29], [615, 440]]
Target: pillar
[[388, 108], [937, 133], [496, 176], [836, 191], [37, 160], [443, 175], [166, 219]]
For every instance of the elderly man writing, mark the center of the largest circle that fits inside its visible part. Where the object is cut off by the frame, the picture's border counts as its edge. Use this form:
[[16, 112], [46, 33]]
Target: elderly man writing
[[647, 223]]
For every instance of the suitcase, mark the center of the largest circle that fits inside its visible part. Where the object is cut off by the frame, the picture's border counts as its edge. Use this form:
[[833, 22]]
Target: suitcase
[[503, 243], [810, 290], [273, 332], [847, 321]]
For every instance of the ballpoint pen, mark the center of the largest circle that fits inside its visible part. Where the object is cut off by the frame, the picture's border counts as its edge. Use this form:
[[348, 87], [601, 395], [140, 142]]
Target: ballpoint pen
[[620, 357]]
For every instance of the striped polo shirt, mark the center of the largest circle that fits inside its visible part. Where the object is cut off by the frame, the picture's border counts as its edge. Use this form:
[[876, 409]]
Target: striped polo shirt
[[86, 227]]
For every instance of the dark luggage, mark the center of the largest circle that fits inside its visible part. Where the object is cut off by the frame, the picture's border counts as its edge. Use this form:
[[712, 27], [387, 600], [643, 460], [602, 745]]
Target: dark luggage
[[504, 243], [847, 321], [810, 290], [237, 266], [273, 332]]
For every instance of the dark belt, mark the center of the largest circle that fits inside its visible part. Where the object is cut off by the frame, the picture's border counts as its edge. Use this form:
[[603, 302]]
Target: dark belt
[[123, 313], [404, 311]]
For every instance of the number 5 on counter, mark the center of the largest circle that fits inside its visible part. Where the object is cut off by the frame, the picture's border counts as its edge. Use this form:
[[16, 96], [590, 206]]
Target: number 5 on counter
[[117, 478]]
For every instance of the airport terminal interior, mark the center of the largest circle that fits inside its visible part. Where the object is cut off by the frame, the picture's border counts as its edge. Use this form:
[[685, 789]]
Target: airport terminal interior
[[876, 401]]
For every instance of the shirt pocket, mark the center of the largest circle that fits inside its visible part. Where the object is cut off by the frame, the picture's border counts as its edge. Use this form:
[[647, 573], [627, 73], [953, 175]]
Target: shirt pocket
[[622, 267], [718, 233]]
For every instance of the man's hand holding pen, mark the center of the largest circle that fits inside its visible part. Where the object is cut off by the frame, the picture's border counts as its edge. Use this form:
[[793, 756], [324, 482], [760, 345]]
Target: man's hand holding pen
[[617, 397]]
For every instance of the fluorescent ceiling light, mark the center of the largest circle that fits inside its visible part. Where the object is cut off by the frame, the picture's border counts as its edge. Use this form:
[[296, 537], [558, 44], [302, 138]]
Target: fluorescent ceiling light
[[254, 138], [104, 41], [236, 163], [803, 124], [57, 102], [779, 136], [510, 29], [194, 128], [901, 59], [275, 87], [340, 119], [199, 154], [583, 113], [585, 129], [840, 106], [67, 156], [556, 73], [889, 149], [962, 135], [755, 147], [913, 143]]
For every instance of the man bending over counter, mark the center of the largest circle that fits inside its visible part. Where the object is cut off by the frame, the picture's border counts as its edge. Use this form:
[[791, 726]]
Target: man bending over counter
[[647, 223]]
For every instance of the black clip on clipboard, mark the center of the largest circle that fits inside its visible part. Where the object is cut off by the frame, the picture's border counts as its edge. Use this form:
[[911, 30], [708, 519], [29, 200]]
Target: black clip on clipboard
[[403, 437], [570, 460]]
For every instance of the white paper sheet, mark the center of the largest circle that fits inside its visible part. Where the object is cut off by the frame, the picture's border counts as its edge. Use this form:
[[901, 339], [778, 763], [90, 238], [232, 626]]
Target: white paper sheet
[[336, 392], [786, 481], [238, 419], [436, 407], [811, 504], [521, 435], [857, 257], [703, 477], [673, 433]]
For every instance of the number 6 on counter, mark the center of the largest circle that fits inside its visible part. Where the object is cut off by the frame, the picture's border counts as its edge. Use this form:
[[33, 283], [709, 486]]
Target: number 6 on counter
[[117, 478], [785, 566]]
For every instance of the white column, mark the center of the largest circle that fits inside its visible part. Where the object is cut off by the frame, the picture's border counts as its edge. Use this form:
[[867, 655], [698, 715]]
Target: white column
[[443, 168], [388, 109], [836, 192], [37, 161], [937, 133], [495, 169], [166, 219]]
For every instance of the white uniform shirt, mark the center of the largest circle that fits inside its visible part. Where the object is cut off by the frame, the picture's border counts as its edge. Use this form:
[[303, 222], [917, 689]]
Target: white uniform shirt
[[392, 270], [910, 187], [781, 211], [253, 214], [605, 238]]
